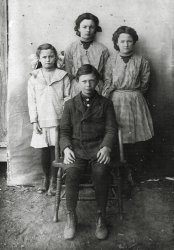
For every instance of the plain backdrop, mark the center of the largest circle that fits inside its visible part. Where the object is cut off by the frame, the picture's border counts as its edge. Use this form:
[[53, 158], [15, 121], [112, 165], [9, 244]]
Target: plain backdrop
[[33, 22]]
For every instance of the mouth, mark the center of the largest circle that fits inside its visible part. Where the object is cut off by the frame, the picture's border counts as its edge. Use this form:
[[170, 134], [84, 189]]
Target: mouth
[[88, 90]]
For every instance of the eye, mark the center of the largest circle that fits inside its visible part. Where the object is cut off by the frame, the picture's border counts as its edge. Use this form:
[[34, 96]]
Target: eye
[[92, 81]]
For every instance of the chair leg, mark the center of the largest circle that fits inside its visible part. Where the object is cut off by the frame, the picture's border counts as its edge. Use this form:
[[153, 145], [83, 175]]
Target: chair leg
[[58, 193], [117, 183], [120, 202]]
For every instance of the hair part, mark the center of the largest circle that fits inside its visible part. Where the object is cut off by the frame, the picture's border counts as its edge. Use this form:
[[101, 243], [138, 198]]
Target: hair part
[[87, 16], [45, 46], [124, 29], [86, 69]]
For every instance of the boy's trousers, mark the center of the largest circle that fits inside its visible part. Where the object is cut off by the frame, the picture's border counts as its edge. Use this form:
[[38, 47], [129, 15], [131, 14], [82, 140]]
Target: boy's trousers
[[100, 177]]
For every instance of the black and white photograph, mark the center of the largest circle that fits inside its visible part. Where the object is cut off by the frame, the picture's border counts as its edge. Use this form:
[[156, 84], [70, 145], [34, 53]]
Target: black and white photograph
[[86, 125]]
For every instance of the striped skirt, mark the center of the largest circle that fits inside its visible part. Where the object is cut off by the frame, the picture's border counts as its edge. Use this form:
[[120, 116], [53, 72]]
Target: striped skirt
[[133, 116]]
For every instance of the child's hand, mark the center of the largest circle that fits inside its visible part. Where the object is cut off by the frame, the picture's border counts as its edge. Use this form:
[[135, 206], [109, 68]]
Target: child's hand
[[103, 155], [36, 128], [69, 156]]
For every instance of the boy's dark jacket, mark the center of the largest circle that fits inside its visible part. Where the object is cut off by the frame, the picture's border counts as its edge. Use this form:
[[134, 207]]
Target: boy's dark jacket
[[86, 131]]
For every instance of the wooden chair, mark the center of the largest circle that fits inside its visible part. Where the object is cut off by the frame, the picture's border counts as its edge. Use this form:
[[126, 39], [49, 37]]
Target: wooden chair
[[115, 186]]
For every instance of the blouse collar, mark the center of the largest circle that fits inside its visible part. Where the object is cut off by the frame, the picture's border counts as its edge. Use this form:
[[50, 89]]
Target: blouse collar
[[127, 55]]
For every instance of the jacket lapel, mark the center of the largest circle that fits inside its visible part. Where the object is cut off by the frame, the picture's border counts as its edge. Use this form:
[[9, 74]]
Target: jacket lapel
[[94, 108], [79, 104]]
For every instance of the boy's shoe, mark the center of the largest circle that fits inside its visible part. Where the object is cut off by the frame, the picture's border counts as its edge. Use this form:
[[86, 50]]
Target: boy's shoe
[[101, 229], [44, 187], [70, 227], [52, 187]]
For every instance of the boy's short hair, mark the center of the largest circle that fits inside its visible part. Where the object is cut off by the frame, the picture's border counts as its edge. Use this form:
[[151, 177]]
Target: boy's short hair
[[86, 69]]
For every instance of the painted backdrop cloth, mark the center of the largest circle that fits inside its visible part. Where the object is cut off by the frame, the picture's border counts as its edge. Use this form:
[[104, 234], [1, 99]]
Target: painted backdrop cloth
[[75, 56], [125, 83]]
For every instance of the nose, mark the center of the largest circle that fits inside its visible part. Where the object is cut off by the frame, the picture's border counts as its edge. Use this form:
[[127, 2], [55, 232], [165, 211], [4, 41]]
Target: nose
[[88, 84]]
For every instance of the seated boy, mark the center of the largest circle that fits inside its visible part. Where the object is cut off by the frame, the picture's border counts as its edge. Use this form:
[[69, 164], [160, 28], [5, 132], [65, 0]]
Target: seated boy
[[87, 134]]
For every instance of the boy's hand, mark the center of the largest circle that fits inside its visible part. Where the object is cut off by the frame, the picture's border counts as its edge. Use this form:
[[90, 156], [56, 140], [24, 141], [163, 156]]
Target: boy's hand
[[69, 156], [36, 128], [103, 155]]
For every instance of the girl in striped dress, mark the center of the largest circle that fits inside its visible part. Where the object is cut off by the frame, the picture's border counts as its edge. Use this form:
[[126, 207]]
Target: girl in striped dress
[[85, 50], [126, 82]]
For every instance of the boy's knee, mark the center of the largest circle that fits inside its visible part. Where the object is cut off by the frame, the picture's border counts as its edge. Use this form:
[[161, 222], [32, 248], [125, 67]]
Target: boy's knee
[[100, 171]]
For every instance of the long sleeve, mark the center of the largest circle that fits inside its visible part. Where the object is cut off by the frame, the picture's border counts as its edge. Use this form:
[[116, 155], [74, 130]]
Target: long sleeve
[[69, 62], [105, 56], [144, 75], [65, 129], [32, 102], [107, 78], [110, 127], [66, 90]]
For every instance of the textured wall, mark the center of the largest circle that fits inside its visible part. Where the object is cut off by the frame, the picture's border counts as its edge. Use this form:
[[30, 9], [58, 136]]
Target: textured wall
[[3, 72], [33, 22]]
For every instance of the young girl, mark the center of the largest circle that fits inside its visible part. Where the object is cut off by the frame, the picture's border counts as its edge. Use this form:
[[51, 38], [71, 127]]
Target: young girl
[[85, 50], [48, 88], [126, 80]]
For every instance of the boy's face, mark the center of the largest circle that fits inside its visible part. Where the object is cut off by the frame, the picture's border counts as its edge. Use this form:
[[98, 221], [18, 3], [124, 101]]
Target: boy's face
[[88, 84]]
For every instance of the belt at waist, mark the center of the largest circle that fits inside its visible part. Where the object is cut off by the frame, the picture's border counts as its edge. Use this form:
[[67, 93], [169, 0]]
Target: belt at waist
[[126, 90]]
